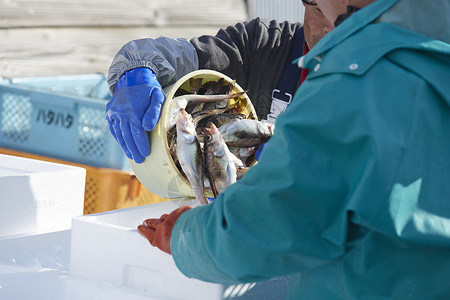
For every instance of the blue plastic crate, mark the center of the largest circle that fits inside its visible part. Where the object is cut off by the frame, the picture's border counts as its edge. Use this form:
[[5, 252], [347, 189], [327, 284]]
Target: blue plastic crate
[[61, 117], [90, 85]]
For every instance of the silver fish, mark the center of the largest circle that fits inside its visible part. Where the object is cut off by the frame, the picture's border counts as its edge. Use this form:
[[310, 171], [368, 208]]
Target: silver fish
[[246, 132], [219, 161], [243, 153], [181, 102], [240, 172], [189, 154], [218, 119]]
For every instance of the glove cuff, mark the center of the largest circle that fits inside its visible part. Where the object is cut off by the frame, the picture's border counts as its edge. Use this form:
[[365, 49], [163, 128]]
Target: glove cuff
[[134, 77]]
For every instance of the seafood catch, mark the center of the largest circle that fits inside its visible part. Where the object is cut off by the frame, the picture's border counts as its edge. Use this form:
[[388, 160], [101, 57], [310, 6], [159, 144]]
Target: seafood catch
[[189, 154], [246, 133], [181, 102], [211, 141], [219, 161]]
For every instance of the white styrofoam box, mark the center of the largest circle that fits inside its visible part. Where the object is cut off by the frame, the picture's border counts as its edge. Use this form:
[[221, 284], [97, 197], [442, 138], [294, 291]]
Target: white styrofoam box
[[38, 196], [40, 251], [106, 246], [36, 267], [30, 284]]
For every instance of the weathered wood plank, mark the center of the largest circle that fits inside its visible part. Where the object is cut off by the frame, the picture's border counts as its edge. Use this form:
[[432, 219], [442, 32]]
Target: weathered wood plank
[[45, 13], [29, 13], [30, 52], [178, 12], [57, 37]]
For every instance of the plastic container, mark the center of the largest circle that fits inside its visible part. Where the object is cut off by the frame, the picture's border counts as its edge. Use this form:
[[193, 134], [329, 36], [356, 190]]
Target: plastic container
[[38, 196], [89, 85], [119, 255], [106, 189], [158, 173], [61, 117], [41, 284], [37, 267]]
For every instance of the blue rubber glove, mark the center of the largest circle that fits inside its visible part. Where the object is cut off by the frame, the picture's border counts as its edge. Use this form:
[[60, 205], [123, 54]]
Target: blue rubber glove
[[134, 109], [259, 151]]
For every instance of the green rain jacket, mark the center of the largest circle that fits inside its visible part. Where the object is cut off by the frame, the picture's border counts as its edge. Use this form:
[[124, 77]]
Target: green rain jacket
[[351, 196]]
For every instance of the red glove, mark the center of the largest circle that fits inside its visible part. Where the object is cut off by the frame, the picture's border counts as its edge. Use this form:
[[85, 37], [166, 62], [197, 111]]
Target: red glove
[[159, 231]]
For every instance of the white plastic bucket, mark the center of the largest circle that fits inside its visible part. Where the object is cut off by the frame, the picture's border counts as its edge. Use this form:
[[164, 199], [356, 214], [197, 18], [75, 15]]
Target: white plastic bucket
[[158, 173]]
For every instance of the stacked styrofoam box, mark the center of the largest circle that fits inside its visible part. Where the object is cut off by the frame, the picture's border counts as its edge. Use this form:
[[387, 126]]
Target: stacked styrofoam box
[[31, 284], [107, 247], [37, 203], [36, 267], [37, 251], [27, 262], [37, 196]]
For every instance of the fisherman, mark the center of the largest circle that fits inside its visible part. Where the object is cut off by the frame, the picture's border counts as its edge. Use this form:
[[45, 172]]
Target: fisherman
[[351, 195], [257, 54]]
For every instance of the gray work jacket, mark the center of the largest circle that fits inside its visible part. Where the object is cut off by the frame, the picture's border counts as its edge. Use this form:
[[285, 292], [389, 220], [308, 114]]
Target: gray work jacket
[[254, 53]]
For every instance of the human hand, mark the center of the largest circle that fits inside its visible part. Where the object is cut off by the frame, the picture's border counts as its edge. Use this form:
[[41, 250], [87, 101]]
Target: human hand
[[159, 231], [134, 109]]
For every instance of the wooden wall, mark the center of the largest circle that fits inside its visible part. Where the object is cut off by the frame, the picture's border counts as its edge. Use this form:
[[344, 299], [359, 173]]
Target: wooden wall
[[51, 37]]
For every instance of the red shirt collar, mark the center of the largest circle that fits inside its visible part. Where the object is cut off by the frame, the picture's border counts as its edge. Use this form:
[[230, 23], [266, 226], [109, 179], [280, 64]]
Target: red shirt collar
[[305, 70]]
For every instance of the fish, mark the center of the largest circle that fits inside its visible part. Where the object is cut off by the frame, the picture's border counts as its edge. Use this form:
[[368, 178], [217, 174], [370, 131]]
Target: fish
[[200, 115], [218, 119], [217, 116], [240, 172], [189, 154], [246, 132], [243, 153], [220, 163], [181, 102], [217, 87], [200, 149]]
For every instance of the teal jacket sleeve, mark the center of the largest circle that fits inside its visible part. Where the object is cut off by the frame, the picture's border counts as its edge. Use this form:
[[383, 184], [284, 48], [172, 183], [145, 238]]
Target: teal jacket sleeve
[[288, 213]]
